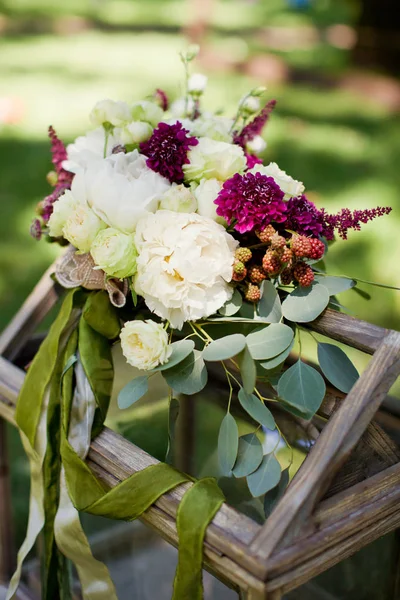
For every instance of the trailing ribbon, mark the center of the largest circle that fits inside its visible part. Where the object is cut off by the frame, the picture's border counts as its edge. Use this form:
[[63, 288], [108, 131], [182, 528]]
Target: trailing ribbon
[[76, 405]]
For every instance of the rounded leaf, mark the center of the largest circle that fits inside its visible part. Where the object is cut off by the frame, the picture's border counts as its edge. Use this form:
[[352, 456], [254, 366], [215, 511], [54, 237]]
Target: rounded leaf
[[180, 350], [337, 367], [335, 285], [270, 307], [305, 304], [189, 376], [302, 388], [228, 442], [249, 456], [274, 362], [232, 306], [269, 341], [266, 477], [256, 409], [248, 370], [225, 347], [133, 391]]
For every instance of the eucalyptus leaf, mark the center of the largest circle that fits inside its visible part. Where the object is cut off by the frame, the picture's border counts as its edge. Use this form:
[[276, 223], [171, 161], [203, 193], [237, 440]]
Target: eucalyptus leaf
[[249, 456], [270, 307], [305, 304], [133, 391], [232, 306], [188, 377], [248, 370], [256, 409], [335, 285], [274, 362], [267, 342], [272, 497], [337, 367], [225, 347], [247, 310], [302, 388], [180, 350], [173, 412], [266, 477], [228, 443]]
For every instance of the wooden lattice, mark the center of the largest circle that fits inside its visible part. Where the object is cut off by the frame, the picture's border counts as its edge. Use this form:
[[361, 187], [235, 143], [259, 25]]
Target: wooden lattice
[[345, 495]]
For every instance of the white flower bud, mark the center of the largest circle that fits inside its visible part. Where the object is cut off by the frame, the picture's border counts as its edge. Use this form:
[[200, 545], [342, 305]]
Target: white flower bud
[[250, 105], [110, 111], [134, 133], [197, 83], [256, 145]]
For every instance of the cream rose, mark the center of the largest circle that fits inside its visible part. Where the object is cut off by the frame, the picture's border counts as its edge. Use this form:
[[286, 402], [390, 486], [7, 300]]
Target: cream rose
[[179, 199], [115, 253], [290, 186], [145, 344], [134, 133], [184, 265], [147, 111], [81, 228], [62, 209], [211, 159]]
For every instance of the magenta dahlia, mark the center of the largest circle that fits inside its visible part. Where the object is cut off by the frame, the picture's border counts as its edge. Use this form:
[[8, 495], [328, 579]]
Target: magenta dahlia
[[167, 150], [252, 201]]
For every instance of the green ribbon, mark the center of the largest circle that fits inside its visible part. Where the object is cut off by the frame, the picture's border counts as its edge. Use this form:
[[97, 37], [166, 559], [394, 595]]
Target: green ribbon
[[130, 498]]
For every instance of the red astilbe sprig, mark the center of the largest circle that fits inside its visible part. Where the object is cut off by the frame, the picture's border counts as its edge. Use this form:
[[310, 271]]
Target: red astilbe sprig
[[255, 127], [346, 219]]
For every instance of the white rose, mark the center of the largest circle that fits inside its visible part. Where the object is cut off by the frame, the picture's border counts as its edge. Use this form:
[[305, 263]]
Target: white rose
[[145, 344], [147, 111], [134, 133], [121, 188], [115, 253], [89, 148], [256, 145], [62, 209], [211, 159], [81, 228], [205, 193], [184, 265], [179, 199], [197, 83], [290, 186], [216, 128], [110, 111]]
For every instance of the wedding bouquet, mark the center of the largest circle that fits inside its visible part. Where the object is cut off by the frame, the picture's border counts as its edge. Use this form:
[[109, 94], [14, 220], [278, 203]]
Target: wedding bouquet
[[187, 249]]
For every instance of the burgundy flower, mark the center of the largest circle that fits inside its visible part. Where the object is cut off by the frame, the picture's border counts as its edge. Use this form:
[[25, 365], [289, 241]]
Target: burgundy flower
[[161, 98], [255, 127], [167, 150], [346, 219], [304, 218], [64, 178], [252, 160], [252, 200], [36, 229]]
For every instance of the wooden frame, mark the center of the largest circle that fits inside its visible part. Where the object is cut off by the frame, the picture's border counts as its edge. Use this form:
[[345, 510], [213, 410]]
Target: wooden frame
[[307, 533]]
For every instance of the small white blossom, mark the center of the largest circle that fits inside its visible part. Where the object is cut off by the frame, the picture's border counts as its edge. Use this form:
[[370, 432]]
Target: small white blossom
[[134, 133], [110, 111], [256, 145], [197, 83], [250, 105]]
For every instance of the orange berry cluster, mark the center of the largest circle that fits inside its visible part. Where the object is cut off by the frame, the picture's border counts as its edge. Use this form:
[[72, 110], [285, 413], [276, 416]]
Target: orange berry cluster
[[283, 256]]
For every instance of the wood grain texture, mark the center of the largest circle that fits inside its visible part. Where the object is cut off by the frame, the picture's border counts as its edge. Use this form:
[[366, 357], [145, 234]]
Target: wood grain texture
[[340, 435]]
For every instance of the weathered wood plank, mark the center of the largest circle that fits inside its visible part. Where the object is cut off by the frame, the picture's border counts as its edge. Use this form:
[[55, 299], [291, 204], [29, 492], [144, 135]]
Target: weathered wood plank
[[334, 444]]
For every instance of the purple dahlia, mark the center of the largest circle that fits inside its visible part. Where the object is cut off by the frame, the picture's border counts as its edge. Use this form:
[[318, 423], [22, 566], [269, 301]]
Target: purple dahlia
[[167, 150], [304, 217], [252, 200]]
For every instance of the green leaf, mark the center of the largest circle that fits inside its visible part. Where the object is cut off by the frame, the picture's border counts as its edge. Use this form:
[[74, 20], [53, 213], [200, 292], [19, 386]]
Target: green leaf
[[173, 412], [180, 350], [247, 310], [266, 477], [70, 363], [302, 388], [188, 377], [272, 498], [225, 347], [362, 293], [269, 341], [249, 456], [248, 370], [274, 362], [305, 304], [232, 306], [335, 285], [133, 293], [337, 367], [133, 391], [228, 443], [270, 307], [101, 315], [256, 409]]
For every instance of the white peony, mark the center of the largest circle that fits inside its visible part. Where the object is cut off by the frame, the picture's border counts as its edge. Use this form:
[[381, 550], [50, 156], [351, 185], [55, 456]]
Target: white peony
[[115, 253], [89, 148], [81, 228], [184, 265], [147, 111], [211, 159], [145, 344], [179, 199], [121, 188], [110, 111], [62, 209], [205, 193], [290, 186], [134, 133], [197, 83]]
